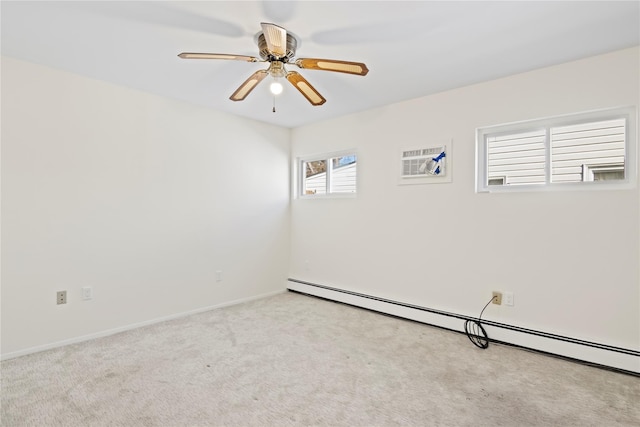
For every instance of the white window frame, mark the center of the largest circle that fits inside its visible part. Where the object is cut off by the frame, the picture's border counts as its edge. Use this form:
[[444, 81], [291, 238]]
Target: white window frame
[[629, 114], [300, 172]]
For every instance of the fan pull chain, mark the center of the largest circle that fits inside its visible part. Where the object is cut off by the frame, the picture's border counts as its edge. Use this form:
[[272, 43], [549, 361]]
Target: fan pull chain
[[274, 103]]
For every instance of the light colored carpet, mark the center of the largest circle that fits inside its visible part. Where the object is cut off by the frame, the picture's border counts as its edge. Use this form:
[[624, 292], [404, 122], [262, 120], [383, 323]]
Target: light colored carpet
[[294, 360]]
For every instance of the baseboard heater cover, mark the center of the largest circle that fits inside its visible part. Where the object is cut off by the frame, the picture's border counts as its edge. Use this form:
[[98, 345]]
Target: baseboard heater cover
[[618, 358]]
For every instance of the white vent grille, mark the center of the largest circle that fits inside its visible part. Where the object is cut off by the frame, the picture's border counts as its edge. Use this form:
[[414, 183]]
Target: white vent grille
[[414, 161]]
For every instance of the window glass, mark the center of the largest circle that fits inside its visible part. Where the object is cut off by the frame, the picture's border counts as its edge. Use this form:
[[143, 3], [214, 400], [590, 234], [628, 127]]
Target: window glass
[[517, 158], [343, 174], [330, 174], [585, 147], [315, 178]]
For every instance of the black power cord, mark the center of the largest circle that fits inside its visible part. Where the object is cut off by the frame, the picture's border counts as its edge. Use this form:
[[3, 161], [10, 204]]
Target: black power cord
[[475, 332]]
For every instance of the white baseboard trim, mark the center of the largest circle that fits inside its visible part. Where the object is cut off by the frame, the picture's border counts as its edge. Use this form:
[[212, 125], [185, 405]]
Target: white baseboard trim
[[593, 353], [125, 328]]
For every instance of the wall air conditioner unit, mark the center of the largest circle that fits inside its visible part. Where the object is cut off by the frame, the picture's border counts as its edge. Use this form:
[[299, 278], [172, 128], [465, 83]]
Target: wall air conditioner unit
[[423, 165]]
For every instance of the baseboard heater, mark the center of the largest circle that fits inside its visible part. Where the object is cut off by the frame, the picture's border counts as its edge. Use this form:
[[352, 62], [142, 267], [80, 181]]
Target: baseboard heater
[[602, 355]]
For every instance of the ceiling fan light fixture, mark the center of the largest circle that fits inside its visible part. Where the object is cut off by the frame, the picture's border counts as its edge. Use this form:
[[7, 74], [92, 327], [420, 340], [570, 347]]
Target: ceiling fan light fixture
[[276, 87], [276, 69]]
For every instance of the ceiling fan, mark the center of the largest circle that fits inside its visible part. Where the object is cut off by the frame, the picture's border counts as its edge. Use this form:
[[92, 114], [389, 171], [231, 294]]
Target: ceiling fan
[[278, 48]]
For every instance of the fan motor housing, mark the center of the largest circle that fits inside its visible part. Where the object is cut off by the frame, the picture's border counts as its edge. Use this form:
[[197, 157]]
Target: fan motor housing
[[292, 44]]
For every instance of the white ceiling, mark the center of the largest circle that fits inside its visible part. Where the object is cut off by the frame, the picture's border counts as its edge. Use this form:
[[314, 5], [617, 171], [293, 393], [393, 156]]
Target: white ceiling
[[412, 49]]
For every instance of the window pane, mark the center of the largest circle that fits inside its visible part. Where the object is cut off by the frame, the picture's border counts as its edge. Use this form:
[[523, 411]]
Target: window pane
[[516, 158], [588, 150], [497, 180], [343, 174], [315, 178], [607, 175]]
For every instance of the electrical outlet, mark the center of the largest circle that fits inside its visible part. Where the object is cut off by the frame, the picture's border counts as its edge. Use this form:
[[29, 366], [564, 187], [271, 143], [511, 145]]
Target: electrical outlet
[[87, 293], [61, 297], [218, 276], [497, 298], [508, 298]]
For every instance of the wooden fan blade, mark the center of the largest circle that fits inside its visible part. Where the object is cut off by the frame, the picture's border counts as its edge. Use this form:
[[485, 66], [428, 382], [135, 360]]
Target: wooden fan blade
[[305, 88], [357, 68], [246, 87], [193, 55], [276, 38]]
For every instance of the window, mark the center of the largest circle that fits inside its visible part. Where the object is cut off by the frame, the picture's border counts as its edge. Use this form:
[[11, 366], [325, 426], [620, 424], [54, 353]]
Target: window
[[331, 174], [497, 180], [558, 152], [602, 172]]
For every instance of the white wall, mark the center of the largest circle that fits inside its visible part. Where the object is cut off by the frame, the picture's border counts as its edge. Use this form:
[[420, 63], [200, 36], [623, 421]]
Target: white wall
[[570, 258], [140, 197], [143, 199]]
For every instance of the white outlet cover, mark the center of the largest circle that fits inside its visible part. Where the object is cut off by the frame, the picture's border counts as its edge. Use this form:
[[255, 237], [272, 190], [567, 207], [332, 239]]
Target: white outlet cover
[[87, 293], [507, 298]]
